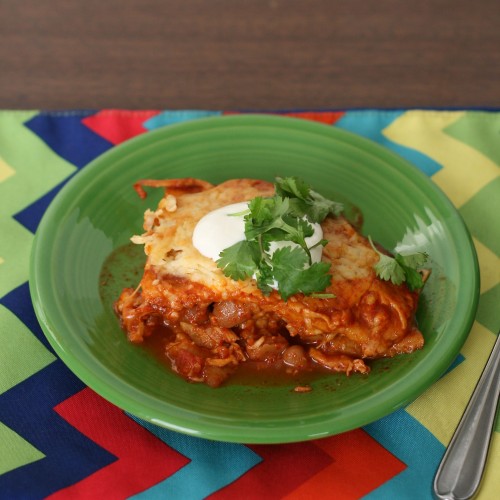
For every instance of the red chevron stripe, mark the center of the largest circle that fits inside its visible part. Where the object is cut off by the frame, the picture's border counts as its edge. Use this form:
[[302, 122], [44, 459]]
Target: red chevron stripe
[[118, 125], [327, 117], [359, 465], [283, 468], [142, 459], [344, 467]]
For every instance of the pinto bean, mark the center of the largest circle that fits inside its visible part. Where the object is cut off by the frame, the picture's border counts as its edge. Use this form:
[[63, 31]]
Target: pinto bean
[[196, 315], [295, 356], [228, 314]]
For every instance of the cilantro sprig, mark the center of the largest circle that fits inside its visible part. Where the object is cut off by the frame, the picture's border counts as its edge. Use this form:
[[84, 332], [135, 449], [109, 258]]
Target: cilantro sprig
[[400, 268], [287, 216]]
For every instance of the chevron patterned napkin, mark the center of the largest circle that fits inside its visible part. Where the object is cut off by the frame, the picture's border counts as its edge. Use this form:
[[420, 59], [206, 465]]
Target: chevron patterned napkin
[[59, 439]]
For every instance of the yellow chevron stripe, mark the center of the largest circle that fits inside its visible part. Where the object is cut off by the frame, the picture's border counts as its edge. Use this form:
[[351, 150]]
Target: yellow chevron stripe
[[489, 266], [439, 409], [491, 480], [5, 170], [465, 170]]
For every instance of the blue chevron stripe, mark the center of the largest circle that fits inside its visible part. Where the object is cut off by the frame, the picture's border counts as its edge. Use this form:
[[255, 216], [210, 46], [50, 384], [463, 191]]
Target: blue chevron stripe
[[69, 137], [19, 302], [459, 359], [64, 463], [31, 216], [394, 433], [230, 461], [70, 456], [66, 135], [372, 124]]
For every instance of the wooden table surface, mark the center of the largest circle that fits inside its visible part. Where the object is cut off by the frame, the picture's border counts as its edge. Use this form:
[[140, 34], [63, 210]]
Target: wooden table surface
[[260, 54]]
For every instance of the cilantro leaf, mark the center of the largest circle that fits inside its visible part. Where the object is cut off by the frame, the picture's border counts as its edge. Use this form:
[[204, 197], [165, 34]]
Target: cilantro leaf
[[265, 278], [321, 207], [400, 268], [260, 210], [389, 269], [413, 260], [409, 264], [312, 204], [265, 214], [240, 261], [288, 259], [292, 187], [292, 276]]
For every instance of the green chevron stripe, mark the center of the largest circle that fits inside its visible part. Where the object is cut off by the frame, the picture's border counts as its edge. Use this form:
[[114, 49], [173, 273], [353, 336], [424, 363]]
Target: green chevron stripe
[[16, 452], [21, 354], [37, 169], [480, 131], [14, 255], [481, 215], [28, 170], [487, 311]]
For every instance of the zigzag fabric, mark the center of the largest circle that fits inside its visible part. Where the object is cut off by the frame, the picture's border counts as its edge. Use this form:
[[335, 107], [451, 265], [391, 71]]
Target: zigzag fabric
[[59, 439]]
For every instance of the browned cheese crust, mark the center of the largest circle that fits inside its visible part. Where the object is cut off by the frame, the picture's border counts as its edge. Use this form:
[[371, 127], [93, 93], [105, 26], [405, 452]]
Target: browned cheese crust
[[218, 323]]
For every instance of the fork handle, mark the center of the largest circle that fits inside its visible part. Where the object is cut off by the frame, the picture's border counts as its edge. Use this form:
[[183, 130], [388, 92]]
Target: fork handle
[[461, 469]]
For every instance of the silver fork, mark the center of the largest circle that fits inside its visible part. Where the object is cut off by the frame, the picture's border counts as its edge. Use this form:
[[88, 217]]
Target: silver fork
[[461, 470]]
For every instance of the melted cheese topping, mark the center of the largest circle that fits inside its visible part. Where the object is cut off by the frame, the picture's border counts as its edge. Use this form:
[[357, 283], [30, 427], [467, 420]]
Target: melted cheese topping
[[168, 240]]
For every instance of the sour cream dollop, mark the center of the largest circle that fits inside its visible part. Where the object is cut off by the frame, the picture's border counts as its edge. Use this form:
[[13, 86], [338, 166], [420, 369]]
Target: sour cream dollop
[[221, 229]]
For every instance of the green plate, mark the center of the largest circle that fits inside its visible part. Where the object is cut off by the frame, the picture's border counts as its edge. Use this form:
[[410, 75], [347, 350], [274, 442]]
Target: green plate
[[88, 226]]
